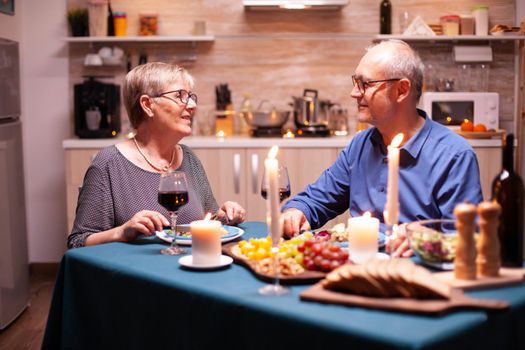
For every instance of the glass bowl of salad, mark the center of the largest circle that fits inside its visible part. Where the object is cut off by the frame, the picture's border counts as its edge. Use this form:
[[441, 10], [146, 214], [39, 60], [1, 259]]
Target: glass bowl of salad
[[434, 241]]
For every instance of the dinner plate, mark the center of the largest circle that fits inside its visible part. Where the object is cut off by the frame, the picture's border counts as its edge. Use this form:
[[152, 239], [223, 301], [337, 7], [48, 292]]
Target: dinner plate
[[167, 236], [381, 241], [187, 261]]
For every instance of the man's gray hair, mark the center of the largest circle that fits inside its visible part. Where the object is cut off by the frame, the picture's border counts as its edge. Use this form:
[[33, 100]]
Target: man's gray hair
[[403, 62]]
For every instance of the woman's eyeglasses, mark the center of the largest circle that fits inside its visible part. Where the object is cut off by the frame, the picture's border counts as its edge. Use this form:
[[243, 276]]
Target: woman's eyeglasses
[[182, 95]]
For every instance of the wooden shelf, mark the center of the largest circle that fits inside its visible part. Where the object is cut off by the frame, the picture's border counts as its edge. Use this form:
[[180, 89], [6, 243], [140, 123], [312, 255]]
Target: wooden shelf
[[451, 38], [140, 39]]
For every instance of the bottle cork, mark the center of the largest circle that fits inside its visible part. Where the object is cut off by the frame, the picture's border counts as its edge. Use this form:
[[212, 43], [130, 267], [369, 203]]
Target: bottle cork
[[488, 260], [465, 261]]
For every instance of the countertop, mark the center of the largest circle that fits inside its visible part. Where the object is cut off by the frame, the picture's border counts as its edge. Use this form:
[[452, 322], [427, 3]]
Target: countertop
[[252, 142]]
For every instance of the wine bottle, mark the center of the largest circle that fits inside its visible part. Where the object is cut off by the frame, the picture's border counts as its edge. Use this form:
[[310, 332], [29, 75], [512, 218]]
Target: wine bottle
[[111, 23], [507, 190], [385, 17]]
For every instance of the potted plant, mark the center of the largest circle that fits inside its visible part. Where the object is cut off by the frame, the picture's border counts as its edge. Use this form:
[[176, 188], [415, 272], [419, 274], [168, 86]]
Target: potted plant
[[78, 22]]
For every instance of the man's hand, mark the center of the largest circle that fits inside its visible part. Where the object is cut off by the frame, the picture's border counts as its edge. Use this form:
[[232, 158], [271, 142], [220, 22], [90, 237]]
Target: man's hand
[[294, 222], [400, 245]]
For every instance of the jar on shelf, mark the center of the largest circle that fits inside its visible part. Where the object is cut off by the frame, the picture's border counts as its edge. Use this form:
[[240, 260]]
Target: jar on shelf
[[450, 24], [148, 23], [481, 17], [120, 21]]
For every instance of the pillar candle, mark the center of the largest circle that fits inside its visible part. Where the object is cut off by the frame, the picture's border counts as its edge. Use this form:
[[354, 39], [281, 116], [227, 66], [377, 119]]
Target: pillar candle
[[206, 242], [362, 238], [391, 212], [273, 213]]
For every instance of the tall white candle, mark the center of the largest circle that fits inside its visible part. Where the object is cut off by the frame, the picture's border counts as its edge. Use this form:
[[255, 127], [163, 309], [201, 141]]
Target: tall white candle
[[273, 216], [391, 212], [206, 241], [362, 238]]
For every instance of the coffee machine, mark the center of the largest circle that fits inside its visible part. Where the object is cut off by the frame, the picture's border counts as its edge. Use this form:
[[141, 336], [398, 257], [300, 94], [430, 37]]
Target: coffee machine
[[97, 109]]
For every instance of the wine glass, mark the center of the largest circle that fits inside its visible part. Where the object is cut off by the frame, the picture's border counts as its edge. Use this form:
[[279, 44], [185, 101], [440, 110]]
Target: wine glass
[[283, 183], [284, 192], [173, 194]]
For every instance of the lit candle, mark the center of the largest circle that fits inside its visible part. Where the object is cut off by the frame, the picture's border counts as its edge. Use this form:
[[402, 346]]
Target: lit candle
[[362, 238], [206, 241], [391, 212], [273, 214]]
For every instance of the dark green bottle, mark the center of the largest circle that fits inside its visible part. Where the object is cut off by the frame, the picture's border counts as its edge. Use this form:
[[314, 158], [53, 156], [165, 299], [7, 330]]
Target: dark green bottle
[[111, 23], [385, 17], [507, 190]]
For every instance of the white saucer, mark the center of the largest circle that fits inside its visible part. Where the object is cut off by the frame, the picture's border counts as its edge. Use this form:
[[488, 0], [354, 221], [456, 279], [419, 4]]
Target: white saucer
[[187, 261]]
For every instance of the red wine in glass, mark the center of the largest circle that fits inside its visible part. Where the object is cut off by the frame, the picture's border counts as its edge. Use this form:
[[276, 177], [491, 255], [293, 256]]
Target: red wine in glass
[[283, 193], [173, 194], [173, 200]]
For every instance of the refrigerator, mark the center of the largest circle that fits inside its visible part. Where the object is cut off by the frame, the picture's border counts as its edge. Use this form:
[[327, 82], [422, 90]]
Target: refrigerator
[[14, 266]]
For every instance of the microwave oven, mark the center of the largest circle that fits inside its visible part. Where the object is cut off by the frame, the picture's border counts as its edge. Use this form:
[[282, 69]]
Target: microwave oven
[[452, 108]]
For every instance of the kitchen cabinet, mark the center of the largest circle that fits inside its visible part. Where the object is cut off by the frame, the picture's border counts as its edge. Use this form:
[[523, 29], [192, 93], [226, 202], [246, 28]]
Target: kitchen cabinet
[[77, 162], [235, 167], [236, 173]]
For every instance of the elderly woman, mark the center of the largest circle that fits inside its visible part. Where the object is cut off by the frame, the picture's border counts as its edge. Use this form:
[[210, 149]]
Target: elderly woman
[[118, 199]]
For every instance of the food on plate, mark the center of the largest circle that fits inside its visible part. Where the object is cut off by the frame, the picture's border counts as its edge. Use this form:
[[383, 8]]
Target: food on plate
[[480, 128], [260, 248], [322, 255], [285, 266], [467, 125], [188, 233], [387, 279]]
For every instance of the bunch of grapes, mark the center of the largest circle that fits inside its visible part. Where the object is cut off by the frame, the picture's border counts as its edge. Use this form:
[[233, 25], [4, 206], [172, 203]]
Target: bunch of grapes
[[322, 255]]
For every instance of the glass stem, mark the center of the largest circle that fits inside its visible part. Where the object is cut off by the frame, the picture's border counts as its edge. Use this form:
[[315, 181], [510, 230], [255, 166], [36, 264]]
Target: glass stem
[[391, 236], [173, 217], [275, 251]]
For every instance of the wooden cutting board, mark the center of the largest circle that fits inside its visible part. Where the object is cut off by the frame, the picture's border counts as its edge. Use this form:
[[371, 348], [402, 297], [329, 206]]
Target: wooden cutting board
[[508, 276], [307, 277], [435, 306]]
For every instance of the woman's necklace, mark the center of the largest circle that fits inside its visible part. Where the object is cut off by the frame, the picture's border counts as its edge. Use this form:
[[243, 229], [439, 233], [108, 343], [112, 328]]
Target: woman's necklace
[[161, 169]]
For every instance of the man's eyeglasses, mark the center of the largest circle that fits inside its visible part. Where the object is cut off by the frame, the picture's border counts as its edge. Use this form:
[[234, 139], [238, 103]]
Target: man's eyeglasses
[[182, 95], [362, 85]]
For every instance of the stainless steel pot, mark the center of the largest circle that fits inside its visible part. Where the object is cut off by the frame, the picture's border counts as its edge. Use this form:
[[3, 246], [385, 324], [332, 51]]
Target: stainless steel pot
[[307, 111], [266, 116]]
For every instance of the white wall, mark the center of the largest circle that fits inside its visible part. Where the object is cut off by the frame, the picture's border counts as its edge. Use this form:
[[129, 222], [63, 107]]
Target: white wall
[[39, 26]]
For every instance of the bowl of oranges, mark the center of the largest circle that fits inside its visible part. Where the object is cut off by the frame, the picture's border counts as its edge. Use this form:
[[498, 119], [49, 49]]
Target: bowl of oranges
[[470, 130]]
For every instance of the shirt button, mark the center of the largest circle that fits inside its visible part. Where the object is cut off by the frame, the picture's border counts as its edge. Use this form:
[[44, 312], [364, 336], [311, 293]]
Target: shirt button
[[381, 189]]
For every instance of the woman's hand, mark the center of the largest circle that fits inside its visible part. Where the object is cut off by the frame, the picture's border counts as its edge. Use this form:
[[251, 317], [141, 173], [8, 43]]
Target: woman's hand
[[144, 222], [231, 213], [400, 246]]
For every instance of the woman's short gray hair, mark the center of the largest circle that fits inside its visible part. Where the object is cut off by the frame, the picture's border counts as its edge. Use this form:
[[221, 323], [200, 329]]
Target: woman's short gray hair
[[403, 62], [150, 79]]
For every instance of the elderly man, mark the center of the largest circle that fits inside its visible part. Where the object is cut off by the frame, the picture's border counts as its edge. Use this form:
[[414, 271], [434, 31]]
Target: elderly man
[[437, 169]]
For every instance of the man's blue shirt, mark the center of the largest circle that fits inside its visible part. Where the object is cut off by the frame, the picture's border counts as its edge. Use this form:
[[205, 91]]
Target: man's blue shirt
[[437, 170]]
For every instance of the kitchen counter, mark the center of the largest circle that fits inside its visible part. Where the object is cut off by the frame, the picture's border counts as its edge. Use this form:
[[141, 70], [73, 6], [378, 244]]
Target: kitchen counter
[[252, 142]]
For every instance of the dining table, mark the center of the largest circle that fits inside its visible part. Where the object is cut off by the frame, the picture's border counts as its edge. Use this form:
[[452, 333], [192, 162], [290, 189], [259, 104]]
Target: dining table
[[129, 296]]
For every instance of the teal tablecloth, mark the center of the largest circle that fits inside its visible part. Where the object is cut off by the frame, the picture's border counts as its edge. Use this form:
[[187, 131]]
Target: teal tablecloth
[[129, 296]]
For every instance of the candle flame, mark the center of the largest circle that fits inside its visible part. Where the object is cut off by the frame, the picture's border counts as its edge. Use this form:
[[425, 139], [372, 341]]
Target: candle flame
[[207, 217], [220, 133], [367, 214], [397, 140], [273, 152]]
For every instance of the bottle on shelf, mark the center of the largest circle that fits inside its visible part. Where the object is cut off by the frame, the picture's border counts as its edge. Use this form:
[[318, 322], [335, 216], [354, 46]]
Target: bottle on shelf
[[245, 113], [507, 190], [385, 17], [111, 24]]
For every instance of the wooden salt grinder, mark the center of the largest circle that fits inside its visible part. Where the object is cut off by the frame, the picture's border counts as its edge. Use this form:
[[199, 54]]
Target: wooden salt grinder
[[488, 261], [465, 261]]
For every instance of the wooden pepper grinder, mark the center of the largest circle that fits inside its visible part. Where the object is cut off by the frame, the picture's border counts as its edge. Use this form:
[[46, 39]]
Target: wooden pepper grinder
[[465, 261], [488, 261]]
